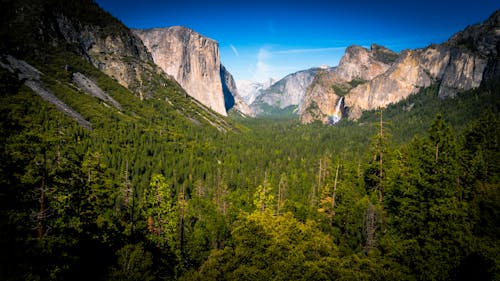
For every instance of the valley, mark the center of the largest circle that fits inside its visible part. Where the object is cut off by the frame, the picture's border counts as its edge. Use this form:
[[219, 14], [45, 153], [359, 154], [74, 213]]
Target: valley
[[134, 155]]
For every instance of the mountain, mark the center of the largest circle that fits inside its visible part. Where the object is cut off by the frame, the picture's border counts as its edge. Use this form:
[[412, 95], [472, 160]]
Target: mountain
[[375, 78], [191, 58], [232, 99], [357, 66], [289, 91], [60, 39], [250, 90], [365, 64]]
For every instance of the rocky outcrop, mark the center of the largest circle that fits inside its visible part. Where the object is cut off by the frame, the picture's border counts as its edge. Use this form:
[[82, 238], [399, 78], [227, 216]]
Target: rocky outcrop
[[357, 66], [286, 92], [405, 77], [119, 54], [58, 32], [232, 99], [464, 62], [191, 59], [363, 64], [320, 98], [463, 72], [91, 88], [32, 79]]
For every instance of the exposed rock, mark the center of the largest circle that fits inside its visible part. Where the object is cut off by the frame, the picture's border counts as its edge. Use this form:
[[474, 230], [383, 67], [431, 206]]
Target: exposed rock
[[357, 66], [363, 64], [48, 96], [31, 77], [192, 59], [24, 70], [120, 55], [320, 98], [286, 92], [232, 99], [91, 88], [43, 31], [463, 72], [405, 77], [464, 62]]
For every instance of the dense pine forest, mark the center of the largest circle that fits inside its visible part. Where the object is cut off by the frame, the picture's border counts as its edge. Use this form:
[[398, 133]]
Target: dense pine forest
[[147, 195]]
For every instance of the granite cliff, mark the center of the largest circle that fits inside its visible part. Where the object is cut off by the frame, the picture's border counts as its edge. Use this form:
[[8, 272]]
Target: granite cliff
[[357, 66], [55, 35], [375, 78], [191, 59]]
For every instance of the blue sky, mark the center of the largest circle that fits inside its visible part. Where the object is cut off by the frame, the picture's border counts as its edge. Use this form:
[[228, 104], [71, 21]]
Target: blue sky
[[261, 39]]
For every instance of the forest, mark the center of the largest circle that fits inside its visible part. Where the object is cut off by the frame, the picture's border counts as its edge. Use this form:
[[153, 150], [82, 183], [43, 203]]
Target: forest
[[410, 192]]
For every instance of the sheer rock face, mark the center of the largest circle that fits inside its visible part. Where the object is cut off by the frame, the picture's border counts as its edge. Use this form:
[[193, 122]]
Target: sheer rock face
[[232, 99], [191, 59], [364, 64], [320, 97], [357, 66], [464, 62], [405, 77]]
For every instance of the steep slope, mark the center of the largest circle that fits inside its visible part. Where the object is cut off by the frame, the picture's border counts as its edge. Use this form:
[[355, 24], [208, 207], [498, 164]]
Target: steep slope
[[321, 97], [364, 64], [286, 92], [192, 59], [31, 28], [52, 35], [232, 99], [462, 63], [357, 66], [405, 77]]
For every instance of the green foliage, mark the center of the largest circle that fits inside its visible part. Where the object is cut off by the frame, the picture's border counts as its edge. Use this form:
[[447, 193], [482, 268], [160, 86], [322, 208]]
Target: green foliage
[[155, 192], [263, 198], [277, 112], [133, 263], [344, 88], [160, 212], [267, 247]]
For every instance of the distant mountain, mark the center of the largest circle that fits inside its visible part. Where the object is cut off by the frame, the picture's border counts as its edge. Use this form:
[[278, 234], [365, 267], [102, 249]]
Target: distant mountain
[[285, 93], [250, 90], [377, 77]]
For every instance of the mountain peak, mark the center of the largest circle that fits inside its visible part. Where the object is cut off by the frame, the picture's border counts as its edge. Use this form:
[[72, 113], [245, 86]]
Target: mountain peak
[[191, 58], [361, 63]]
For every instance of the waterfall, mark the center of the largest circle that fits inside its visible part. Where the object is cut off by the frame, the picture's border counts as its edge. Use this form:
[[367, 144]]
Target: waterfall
[[337, 113]]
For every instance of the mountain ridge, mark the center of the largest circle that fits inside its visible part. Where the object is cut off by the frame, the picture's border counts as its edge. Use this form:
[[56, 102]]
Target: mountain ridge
[[463, 62], [68, 30], [286, 92]]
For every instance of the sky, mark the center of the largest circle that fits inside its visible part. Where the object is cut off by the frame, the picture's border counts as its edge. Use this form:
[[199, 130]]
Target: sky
[[260, 39]]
